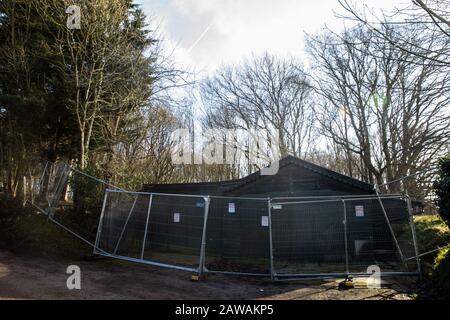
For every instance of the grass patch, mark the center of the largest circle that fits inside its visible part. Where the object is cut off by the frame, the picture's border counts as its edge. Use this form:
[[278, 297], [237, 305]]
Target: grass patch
[[432, 233]]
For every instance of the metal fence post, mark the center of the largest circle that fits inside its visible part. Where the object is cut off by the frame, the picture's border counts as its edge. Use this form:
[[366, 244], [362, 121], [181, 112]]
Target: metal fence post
[[413, 230], [126, 224], [272, 270], [100, 223], [146, 225], [201, 267], [347, 269]]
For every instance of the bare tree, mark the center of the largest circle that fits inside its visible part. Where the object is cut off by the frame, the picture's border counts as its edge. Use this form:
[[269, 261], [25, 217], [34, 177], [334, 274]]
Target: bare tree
[[268, 94], [383, 104], [145, 156], [431, 17]]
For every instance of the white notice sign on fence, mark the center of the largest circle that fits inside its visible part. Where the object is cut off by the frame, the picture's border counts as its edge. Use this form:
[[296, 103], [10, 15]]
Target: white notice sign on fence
[[359, 211], [176, 217], [265, 221], [231, 208]]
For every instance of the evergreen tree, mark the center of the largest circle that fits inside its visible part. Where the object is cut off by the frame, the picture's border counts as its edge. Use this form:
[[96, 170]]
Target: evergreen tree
[[442, 189]]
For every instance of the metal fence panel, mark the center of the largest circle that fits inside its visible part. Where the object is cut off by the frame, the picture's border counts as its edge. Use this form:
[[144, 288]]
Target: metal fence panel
[[308, 238], [237, 236], [164, 229], [342, 236], [48, 188], [68, 197], [371, 241]]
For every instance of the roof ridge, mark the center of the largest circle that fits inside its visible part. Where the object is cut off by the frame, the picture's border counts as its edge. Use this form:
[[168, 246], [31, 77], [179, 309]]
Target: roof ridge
[[307, 165]]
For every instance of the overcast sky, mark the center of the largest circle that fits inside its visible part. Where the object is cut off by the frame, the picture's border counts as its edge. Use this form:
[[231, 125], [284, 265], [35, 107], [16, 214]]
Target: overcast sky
[[208, 33]]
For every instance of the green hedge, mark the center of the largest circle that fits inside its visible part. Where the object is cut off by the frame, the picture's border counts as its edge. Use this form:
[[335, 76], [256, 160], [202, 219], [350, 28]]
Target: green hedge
[[432, 233], [442, 189], [441, 275]]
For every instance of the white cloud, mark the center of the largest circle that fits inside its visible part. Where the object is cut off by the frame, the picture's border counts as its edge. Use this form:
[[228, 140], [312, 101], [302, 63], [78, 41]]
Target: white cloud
[[239, 28]]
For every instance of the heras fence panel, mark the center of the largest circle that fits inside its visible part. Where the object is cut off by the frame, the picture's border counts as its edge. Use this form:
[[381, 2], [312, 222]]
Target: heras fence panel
[[157, 229], [380, 233], [48, 189], [68, 197], [237, 236], [308, 237], [343, 236]]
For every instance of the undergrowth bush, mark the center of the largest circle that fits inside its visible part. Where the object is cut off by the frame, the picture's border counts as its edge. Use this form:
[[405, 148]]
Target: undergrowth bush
[[432, 232], [441, 275], [442, 189], [23, 230]]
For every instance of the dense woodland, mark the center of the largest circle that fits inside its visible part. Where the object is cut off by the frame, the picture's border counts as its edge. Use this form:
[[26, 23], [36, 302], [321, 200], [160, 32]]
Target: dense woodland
[[372, 103]]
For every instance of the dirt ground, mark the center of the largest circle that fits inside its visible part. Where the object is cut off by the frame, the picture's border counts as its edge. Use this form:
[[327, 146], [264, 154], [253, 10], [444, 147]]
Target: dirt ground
[[23, 277]]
